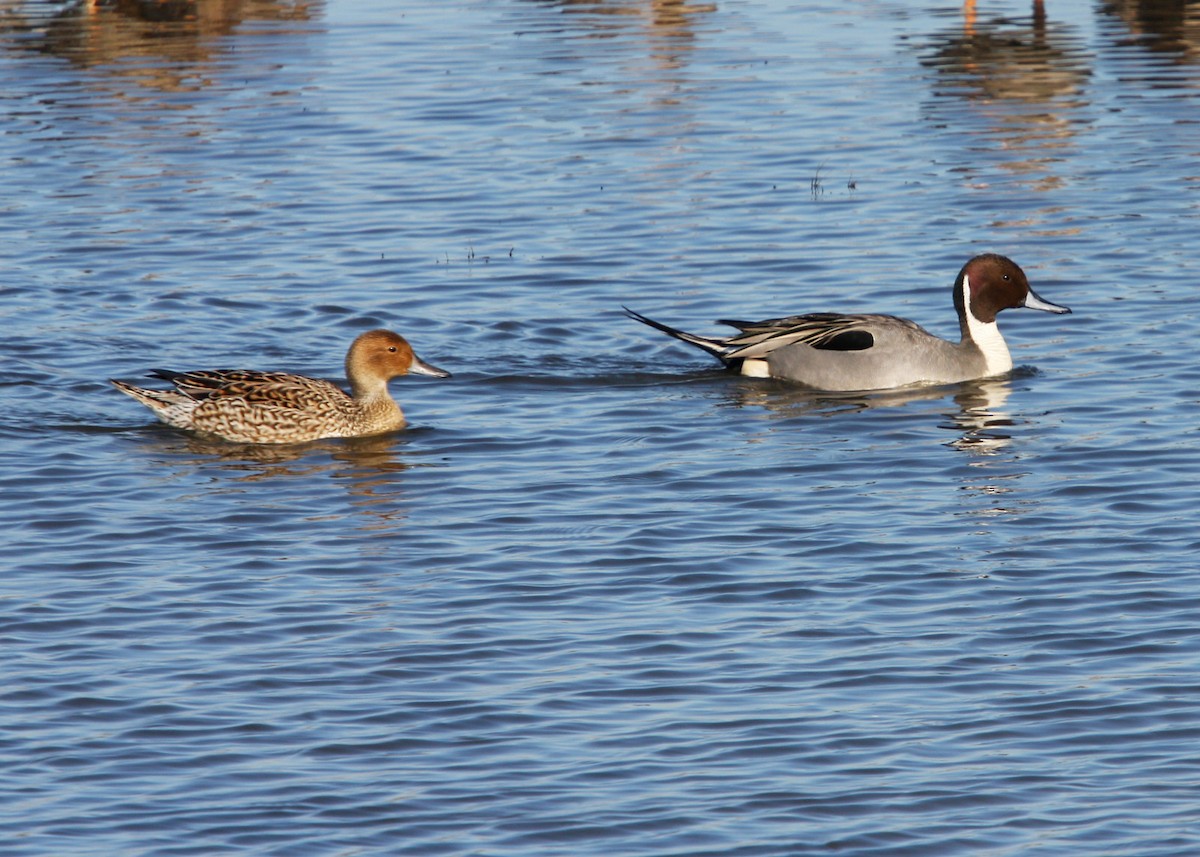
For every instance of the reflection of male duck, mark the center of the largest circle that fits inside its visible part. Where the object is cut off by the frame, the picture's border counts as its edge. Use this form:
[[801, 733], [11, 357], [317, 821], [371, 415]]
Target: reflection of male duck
[[983, 425], [788, 400]]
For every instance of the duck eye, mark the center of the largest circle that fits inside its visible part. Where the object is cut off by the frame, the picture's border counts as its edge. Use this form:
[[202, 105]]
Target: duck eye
[[392, 349]]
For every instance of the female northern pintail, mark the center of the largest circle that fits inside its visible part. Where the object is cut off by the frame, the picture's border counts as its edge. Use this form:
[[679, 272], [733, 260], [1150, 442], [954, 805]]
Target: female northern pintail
[[832, 351], [279, 407]]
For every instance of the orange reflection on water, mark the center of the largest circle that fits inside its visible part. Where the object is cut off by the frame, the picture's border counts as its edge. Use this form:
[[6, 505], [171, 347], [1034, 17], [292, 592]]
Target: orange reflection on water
[[160, 44]]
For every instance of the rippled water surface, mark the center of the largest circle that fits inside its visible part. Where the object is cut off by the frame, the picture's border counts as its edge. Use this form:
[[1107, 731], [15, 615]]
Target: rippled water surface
[[601, 598]]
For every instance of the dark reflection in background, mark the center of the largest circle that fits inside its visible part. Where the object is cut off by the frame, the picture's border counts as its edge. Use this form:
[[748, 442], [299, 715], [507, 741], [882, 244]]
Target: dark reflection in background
[[141, 39], [1165, 26], [1016, 87], [667, 26], [1012, 87]]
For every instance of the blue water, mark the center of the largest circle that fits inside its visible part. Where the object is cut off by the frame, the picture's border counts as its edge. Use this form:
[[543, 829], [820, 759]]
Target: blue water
[[601, 598]]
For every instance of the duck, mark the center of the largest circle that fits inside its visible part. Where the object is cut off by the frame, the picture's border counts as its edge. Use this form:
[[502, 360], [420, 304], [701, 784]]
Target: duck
[[246, 406], [832, 351]]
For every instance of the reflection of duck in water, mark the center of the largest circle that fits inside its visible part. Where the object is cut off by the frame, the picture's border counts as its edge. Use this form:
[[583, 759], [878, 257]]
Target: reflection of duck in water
[[1003, 60], [369, 469], [983, 425], [980, 425], [163, 33], [212, 14], [279, 407], [1018, 81], [1166, 26], [668, 26], [375, 452]]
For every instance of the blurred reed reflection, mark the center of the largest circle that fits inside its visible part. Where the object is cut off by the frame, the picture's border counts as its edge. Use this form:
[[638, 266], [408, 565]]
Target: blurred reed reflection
[[1022, 78], [667, 27], [1165, 26], [157, 43]]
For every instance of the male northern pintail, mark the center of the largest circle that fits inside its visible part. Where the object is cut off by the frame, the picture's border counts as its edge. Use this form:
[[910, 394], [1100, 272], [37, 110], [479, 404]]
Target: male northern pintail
[[279, 407], [832, 351]]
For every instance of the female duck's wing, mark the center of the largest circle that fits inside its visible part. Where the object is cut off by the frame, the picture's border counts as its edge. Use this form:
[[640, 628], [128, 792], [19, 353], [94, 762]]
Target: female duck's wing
[[262, 407], [277, 389]]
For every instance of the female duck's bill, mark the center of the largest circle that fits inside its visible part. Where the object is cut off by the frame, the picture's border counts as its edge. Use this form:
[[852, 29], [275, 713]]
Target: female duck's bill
[[247, 406], [836, 351]]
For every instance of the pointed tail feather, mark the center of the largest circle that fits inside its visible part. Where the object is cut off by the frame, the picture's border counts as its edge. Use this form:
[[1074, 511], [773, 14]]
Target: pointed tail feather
[[716, 347], [169, 406], [149, 398]]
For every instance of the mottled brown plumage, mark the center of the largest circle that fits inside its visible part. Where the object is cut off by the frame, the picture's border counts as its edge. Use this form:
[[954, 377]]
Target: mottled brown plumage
[[278, 407]]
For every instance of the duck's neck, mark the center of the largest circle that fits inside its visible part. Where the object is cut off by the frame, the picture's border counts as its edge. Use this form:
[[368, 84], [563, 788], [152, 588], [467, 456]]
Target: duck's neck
[[373, 396], [376, 409], [986, 337], [983, 335], [366, 392]]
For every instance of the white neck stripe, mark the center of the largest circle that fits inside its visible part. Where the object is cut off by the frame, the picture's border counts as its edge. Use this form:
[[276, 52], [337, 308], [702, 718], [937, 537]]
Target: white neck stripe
[[987, 336]]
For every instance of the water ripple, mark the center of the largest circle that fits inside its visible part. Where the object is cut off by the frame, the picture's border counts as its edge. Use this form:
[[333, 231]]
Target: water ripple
[[601, 596]]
